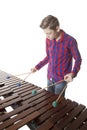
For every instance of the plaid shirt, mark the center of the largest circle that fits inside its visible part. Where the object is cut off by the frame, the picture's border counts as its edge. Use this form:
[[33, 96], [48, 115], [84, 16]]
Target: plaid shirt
[[59, 57]]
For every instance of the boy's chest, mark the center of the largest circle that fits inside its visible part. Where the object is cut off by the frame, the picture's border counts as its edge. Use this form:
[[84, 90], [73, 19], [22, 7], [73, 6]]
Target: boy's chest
[[60, 48]]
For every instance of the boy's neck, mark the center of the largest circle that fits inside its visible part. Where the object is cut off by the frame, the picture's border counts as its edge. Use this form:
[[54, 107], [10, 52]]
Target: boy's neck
[[58, 36]]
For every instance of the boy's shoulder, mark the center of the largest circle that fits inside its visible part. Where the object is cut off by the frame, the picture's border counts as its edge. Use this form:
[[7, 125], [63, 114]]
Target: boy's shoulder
[[71, 41], [68, 37]]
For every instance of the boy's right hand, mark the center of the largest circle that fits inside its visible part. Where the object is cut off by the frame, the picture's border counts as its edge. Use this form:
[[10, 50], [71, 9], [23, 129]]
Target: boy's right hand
[[33, 70]]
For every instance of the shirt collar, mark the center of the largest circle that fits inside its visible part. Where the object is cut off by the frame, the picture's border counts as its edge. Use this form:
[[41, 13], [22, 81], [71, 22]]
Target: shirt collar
[[62, 36]]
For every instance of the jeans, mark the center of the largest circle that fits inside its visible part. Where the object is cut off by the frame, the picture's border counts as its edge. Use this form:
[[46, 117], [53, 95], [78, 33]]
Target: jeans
[[56, 89]]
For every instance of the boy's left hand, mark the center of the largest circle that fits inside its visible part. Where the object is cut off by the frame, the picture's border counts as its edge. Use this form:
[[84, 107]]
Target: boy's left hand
[[69, 77]]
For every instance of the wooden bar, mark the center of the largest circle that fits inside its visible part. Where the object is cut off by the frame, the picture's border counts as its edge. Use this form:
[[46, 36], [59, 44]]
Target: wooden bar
[[70, 117], [21, 116]]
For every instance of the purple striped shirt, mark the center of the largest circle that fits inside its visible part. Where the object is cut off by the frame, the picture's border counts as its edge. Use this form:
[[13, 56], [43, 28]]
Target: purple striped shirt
[[59, 57]]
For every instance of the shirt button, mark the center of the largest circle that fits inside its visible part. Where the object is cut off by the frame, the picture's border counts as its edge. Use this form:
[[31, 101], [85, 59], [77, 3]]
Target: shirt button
[[51, 79]]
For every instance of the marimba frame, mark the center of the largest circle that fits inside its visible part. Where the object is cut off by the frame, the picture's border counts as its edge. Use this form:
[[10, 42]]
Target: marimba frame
[[36, 110]]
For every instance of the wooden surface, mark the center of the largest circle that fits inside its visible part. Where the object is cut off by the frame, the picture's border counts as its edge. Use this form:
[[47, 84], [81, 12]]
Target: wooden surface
[[28, 108]]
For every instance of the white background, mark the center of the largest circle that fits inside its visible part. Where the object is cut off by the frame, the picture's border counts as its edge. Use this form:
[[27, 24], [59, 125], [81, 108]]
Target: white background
[[22, 42]]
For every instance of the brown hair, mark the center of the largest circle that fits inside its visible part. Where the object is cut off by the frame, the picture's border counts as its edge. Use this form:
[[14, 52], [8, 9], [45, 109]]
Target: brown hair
[[49, 21]]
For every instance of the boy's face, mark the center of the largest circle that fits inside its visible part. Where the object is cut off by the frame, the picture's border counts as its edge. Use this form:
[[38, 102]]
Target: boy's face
[[51, 34]]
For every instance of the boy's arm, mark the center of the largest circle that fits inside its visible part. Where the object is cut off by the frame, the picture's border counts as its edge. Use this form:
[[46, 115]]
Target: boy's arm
[[45, 60], [42, 63], [77, 57], [38, 66]]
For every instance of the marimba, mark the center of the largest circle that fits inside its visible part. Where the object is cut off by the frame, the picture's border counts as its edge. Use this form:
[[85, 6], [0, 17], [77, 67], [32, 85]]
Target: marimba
[[36, 110]]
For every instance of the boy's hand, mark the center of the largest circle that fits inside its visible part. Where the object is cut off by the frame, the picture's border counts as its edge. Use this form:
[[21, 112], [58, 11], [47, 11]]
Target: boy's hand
[[69, 77], [33, 70]]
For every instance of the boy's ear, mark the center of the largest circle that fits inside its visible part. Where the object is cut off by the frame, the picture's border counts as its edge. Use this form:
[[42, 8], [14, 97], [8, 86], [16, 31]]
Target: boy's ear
[[57, 28]]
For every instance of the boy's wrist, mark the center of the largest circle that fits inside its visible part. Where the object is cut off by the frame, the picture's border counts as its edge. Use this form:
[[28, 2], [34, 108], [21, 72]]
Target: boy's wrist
[[33, 70], [72, 74]]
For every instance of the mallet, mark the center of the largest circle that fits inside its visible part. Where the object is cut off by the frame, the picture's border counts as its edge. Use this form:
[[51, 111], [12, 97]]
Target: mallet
[[55, 103], [20, 83], [35, 91], [22, 74], [9, 76]]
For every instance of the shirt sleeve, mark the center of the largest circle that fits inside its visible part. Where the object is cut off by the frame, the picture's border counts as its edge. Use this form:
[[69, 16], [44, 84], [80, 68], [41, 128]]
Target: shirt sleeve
[[45, 60], [77, 57]]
